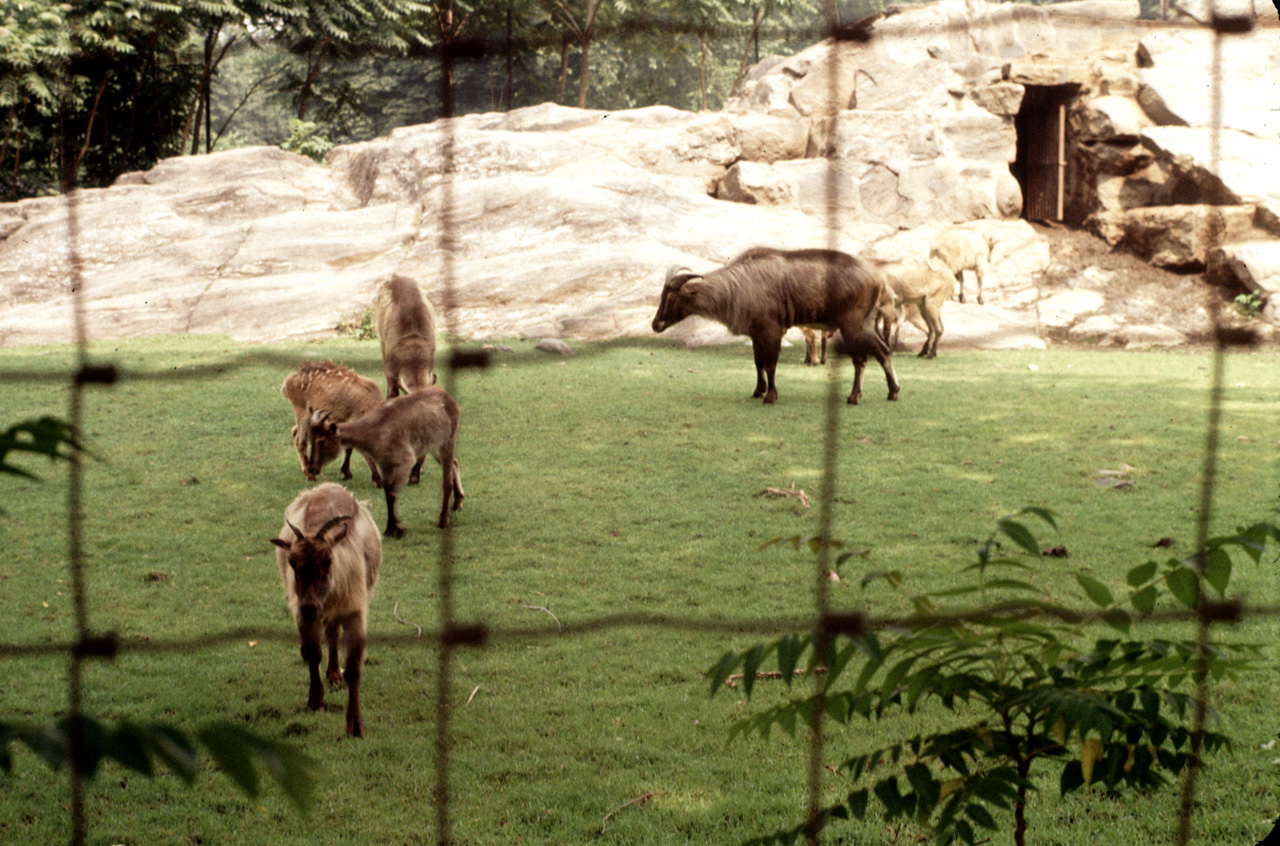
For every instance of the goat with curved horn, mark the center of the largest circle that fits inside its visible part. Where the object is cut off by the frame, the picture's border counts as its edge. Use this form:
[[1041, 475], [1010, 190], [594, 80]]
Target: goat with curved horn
[[764, 292]]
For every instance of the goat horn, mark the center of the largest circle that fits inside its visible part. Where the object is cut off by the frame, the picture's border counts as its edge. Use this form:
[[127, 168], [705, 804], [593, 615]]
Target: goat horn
[[297, 533], [677, 275], [327, 526]]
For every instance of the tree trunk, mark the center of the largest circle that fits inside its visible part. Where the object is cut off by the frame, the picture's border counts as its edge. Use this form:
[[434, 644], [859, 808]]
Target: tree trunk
[[702, 67], [313, 73], [564, 69], [582, 72]]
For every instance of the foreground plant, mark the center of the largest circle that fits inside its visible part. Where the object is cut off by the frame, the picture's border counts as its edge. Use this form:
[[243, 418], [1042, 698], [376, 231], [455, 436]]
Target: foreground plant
[[1109, 710], [86, 742]]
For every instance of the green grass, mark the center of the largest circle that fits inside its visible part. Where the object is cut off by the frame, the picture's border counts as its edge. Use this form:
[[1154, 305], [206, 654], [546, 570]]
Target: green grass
[[626, 479]]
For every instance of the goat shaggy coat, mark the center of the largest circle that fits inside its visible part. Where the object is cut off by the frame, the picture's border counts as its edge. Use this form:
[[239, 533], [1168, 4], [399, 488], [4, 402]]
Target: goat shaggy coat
[[407, 335], [396, 437], [764, 292], [340, 389], [329, 552]]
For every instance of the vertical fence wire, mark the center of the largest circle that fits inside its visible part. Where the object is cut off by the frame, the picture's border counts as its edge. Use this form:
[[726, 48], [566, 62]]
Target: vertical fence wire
[[450, 635], [1209, 475]]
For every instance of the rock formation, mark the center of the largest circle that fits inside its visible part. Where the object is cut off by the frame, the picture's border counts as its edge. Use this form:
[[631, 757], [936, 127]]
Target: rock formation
[[552, 222]]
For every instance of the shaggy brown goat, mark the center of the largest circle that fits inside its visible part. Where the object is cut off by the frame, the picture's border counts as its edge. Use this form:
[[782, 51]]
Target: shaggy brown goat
[[925, 284], [329, 553], [764, 292], [340, 389], [961, 250], [396, 437], [407, 334]]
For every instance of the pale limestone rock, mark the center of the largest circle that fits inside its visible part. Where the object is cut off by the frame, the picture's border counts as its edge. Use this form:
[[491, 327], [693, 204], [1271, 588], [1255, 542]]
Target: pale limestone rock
[[1062, 308], [1178, 237], [1146, 336]]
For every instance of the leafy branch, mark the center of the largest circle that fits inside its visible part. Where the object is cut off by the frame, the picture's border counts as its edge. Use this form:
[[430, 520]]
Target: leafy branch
[[1107, 710]]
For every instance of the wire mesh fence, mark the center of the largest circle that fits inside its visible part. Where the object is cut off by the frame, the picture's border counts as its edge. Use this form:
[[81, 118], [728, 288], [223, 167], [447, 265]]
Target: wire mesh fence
[[450, 633]]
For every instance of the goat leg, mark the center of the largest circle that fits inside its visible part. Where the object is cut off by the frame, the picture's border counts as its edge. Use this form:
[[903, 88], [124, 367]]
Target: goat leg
[[311, 654], [355, 642], [766, 349], [346, 464], [394, 528], [415, 475], [333, 671]]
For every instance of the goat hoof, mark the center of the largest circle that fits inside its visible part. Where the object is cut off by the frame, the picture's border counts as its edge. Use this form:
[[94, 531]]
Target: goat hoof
[[893, 396], [853, 399], [393, 532], [770, 398]]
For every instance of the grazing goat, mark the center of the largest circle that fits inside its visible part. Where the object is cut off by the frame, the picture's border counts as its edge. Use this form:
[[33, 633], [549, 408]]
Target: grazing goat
[[396, 437], [407, 334], [329, 553], [961, 250], [345, 393], [925, 284], [764, 292], [811, 356]]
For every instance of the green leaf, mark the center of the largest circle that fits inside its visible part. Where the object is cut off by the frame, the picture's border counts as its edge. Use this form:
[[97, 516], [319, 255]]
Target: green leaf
[[1142, 574], [1072, 777], [1217, 570], [1019, 534], [1096, 590], [721, 671], [981, 816], [1145, 600], [234, 757], [1183, 585], [750, 666], [1117, 619]]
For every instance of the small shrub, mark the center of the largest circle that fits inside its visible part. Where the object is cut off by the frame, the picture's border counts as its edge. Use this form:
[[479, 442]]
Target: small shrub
[[1250, 304], [304, 139], [359, 325]]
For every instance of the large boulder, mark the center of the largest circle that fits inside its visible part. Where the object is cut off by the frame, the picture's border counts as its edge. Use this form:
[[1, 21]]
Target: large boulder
[[1176, 237]]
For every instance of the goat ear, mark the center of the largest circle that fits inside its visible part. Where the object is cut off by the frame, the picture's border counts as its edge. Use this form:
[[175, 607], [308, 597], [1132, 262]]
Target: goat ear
[[282, 544]]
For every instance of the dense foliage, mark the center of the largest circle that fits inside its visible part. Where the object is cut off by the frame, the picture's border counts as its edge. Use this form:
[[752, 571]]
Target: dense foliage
[[1031, 685]]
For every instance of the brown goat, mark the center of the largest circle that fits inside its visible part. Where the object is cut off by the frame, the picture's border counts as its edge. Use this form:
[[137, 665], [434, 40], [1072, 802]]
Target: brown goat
[[764, 292], [407, 334], [925, 284], [396, 437], [329, 553], [345, 393]]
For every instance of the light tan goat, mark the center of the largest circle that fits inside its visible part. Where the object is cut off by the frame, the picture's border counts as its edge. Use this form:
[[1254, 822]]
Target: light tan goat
[[407, 334], [345, 393], [329, 552], [924, 284], [961, 250], [811, 341], [396, 437]]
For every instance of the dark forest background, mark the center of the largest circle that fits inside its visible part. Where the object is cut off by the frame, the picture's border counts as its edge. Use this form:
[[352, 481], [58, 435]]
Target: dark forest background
[[96, 88]]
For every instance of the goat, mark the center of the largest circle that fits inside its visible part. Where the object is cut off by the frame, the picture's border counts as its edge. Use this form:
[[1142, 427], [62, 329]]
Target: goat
[[925, 284], [763, 292], [396, 437], [961, 250], [811, 356], [407, 335], [340, 389], [329, 553]]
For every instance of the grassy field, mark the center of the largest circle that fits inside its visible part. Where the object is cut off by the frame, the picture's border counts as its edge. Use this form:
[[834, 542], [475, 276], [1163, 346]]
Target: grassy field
[[626, 479]]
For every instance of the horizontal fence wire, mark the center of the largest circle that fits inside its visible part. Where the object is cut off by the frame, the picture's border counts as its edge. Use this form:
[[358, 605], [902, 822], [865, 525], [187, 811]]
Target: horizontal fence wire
[[448, 634]]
